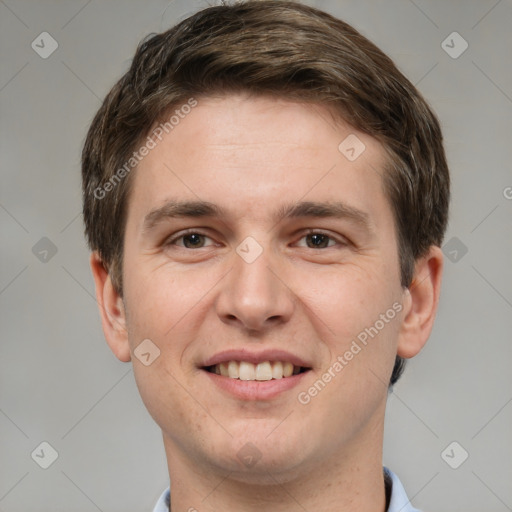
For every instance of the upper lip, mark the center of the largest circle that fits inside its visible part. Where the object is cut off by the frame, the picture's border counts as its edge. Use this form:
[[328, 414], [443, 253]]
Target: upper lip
[[254, 357]]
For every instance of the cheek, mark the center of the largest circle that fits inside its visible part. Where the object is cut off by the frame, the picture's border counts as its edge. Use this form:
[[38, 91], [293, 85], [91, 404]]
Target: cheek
[[165, 301], [353, 383], [357, 314], [348, 298], [164, 393]]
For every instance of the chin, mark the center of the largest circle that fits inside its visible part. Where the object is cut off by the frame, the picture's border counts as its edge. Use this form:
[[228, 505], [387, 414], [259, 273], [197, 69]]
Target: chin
[[259, 458]]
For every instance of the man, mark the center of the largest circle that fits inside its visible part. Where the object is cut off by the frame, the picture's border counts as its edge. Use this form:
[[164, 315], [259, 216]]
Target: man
[[265, 196]]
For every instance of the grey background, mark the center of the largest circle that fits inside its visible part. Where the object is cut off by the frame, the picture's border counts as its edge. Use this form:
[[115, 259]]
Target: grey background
[[59, 381]]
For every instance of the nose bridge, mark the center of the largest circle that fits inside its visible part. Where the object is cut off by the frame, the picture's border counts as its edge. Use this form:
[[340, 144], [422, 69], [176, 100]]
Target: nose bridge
[[253, 295]]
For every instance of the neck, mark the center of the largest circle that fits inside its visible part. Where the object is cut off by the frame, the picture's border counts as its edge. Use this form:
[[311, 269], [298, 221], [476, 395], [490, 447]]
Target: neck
[[347, 481]]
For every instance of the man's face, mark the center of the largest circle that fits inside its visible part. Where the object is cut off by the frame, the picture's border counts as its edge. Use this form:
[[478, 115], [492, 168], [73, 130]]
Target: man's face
[[254, 283]]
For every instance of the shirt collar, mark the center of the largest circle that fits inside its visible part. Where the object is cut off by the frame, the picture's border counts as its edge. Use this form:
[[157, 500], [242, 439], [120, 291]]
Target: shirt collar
[[162, 505], [399, 501]]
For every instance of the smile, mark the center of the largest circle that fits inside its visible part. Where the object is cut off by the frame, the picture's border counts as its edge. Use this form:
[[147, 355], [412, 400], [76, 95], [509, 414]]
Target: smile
[[264, 371]]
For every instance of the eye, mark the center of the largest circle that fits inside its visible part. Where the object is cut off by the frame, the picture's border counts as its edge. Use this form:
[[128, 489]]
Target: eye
[[190, 240], [319, 240]]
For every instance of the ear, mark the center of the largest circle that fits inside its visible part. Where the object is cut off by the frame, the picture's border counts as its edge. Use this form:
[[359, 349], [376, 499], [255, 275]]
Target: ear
[[112, 312], [420, 303]]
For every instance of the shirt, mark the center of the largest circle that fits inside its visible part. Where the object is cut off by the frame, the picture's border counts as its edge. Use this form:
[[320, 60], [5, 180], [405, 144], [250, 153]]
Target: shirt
[[399, 501]]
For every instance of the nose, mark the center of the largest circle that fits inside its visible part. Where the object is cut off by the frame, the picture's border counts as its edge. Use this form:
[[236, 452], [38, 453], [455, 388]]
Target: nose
[[255, 295]]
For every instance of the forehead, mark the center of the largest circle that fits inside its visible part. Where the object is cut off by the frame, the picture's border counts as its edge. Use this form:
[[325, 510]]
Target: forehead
[[250, 154]]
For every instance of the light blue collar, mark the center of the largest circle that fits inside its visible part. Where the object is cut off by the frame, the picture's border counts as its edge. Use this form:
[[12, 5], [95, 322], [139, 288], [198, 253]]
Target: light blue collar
[[399, 501]]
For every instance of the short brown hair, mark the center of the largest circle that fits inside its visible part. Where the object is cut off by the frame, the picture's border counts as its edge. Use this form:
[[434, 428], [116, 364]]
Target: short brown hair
[[286, 50]]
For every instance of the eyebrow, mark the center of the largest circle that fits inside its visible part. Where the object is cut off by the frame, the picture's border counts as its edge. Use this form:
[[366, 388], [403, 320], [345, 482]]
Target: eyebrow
[[304, 209]]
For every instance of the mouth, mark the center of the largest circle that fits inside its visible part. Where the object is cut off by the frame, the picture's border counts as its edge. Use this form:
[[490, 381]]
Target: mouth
[[258, 377], [263, 371], [251, 375]]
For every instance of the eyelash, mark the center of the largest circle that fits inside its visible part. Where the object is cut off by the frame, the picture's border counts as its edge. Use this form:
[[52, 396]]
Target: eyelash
[[173, 239]]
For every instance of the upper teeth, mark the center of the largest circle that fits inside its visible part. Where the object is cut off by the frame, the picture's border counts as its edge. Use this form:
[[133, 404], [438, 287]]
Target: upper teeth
[[262, 371]]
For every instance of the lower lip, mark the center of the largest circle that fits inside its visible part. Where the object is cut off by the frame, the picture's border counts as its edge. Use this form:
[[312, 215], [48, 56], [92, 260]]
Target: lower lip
[[255, 389]]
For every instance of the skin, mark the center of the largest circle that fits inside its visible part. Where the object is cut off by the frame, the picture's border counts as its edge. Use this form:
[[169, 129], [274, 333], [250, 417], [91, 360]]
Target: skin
[[251, 155]]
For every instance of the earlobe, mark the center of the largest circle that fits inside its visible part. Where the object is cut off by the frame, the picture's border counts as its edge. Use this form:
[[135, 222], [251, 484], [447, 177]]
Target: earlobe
[[112, 312], [420, 303]]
